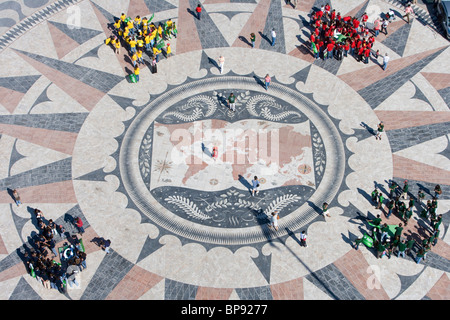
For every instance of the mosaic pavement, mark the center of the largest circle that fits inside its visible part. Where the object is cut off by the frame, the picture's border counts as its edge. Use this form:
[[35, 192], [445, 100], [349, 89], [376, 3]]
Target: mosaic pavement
[[134, 160]]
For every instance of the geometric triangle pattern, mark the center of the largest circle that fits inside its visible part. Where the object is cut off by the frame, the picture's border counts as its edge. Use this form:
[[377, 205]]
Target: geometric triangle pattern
[[78, 34], [397, 40], [379, 91], [88, 175]]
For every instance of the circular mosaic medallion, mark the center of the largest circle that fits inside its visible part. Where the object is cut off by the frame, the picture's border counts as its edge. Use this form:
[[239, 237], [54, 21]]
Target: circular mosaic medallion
[[270, 134]]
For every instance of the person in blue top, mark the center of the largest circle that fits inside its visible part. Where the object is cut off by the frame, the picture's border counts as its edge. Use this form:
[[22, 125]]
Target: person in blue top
[[255, 186]]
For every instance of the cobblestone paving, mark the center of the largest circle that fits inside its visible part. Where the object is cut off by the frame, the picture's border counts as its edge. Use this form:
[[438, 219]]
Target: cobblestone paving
[[77, 139]]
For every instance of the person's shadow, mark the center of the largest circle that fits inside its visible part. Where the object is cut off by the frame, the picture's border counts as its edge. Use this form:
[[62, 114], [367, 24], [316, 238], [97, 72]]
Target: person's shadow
[[194, 14], [364, 125], [214, 63], [259, 81], [244, 39], [245, 183], [10, 192], [222, 100], [263, 36], [206, 150]]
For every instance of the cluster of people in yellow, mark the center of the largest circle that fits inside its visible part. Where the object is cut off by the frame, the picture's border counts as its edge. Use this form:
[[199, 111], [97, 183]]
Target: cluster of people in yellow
[[141, 35]]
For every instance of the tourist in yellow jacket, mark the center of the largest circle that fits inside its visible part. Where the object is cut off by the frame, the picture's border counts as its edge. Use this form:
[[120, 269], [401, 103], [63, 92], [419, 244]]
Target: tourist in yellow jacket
[[156, 53]]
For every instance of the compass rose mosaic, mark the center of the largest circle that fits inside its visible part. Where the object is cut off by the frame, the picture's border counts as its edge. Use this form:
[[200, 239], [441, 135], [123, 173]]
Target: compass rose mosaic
[[165, 169]]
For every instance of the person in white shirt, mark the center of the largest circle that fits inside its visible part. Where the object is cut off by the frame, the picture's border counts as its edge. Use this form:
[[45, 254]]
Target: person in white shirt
[[385, 61], [303, 237], [274, 36], [274, 220]]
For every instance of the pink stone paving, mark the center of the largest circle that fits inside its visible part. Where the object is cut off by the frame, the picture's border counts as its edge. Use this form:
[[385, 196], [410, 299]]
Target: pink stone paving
[[360, 79], [187, 39], [206, 293], [406, 119], [136, 283], [63, 43], [255, 24], [413, 170], [3, 249], [10, 98], [138, 8], [16, 270], [58, 192], [56, 140], [437, 80], [86, 95], [355, 268], [289, 290], [441, 290]]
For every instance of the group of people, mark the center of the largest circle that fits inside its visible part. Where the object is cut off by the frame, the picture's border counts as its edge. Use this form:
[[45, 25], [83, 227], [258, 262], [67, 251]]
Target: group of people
[[335, 36], [401, 203], [141, 35], [40, 257]]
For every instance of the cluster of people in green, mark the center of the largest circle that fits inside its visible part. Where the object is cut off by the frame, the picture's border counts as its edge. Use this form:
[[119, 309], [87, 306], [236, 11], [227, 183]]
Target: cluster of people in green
[[139, 35], [387, 239]]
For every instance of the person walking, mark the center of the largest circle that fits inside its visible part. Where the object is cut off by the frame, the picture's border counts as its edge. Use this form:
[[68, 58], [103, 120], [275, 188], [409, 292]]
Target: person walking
[[380, 200], [384, 232], [221, 63], [408, 11], [79, 225], [409, 245], [398, 230], [437, 191], [105, 245], [274, 36], [303, 237], [384, 25], [136, 72], [380, 130], [16, 197], [325, 209], [215, 153], [420, 256], [198, 9], [267, 81], [252, 39], [255, 186], [401, 249], [390, 207], [274, 220], [381, 250], [405, 189], [385, 61], [232, 102]]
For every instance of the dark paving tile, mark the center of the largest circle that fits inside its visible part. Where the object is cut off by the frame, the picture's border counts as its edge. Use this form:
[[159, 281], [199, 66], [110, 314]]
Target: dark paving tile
[[19, 83], [397, 41], [400, 139], [274, 21], [175, 290], [255, 293], [331, 281], [379, 91], [50, 173], [68, 122], [23, 291], [210, 36], [445, 94], [158, 5], [78, 34], [100, 80], [109, 273]]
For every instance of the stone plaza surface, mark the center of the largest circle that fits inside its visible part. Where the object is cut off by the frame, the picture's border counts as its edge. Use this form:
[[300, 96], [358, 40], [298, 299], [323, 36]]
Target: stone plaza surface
[[134, 160]]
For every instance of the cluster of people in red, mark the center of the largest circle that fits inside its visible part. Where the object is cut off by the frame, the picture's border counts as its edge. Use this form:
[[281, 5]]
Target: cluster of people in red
[[335, 36]]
